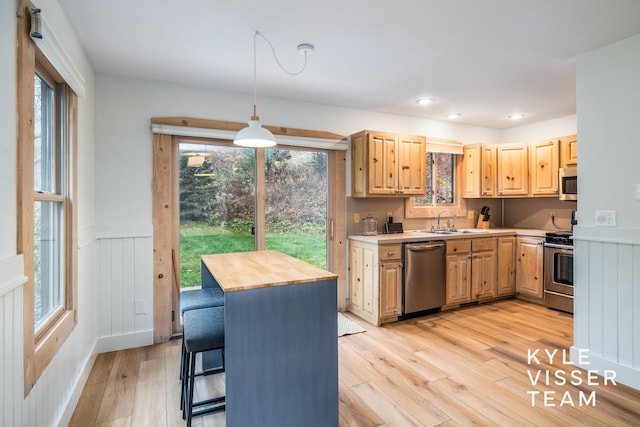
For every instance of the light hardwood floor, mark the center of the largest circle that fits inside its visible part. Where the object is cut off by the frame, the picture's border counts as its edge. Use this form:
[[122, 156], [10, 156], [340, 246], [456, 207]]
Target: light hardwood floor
[[461, 367]]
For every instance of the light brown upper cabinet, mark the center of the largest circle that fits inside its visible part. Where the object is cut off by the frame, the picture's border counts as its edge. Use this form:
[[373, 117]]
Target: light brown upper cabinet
[[513, 170], [569, 151], [385, 164], [544, 168], [479, 171]]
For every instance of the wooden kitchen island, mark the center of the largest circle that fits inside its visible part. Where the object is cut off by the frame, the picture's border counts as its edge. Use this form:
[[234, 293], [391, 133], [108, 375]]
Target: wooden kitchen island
[[281, 345]]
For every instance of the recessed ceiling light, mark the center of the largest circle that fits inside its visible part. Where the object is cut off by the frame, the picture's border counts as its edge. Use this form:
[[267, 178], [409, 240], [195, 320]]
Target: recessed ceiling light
[[454, 115], [515, 116], [425, 101]]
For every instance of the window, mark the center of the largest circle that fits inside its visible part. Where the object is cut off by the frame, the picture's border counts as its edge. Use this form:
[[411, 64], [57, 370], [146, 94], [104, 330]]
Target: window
[[47, 207], [440, 180], [442, 187]]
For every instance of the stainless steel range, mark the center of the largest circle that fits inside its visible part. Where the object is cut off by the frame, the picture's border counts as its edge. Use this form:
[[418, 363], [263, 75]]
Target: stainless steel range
[[558, 271]]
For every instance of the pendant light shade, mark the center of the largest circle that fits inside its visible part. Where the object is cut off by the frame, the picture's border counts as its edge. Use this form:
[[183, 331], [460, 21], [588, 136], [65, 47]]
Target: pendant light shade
[[254, 135]]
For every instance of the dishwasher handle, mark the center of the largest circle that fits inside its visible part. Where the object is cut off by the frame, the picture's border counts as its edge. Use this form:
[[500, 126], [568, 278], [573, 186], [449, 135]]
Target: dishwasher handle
[[424, 246]]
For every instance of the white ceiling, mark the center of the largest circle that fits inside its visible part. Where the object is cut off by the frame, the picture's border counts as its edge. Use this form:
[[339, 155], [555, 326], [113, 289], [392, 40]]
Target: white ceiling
[[482, 58]]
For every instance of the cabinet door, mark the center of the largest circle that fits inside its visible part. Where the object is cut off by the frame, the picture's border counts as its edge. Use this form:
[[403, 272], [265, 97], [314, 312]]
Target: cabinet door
[[488, 170], [370, 280], [529, 268], [506, 266], [544, 168], [458, 278], [411, 163], [472, 172], [513, 170], [483, 275], [363, 282], [382, 164], [356, 278], [390, 289], [359, 166], [569, 151]]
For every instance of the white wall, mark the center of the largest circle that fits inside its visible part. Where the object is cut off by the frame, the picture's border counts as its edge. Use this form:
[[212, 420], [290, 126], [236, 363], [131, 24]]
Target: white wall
[[8, 145], [607, 304], [54, 396], [540, 131], [125, 106]]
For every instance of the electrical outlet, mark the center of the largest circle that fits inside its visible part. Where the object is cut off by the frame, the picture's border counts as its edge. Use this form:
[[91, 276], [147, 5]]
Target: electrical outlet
[[471, 214], [552, 214], [605, 218], [356, 218], [140, 306]]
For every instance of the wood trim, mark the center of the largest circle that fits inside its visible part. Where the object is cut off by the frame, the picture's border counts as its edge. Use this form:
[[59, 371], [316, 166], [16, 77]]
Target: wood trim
[[236, 126], [39, 349], [259, 221], [25, 93], [162, 238], [337, 246], [176, 324]]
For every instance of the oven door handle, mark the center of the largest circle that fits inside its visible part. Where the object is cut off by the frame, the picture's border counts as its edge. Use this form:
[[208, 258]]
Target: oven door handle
[[558, 246]]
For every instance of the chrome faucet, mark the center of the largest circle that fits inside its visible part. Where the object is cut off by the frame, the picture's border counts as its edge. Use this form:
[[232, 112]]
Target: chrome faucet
[[449, 227]]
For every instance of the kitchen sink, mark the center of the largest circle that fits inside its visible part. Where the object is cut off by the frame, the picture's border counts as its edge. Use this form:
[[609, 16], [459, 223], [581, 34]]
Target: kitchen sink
[[436, 231], [473, 231], [465, 231]]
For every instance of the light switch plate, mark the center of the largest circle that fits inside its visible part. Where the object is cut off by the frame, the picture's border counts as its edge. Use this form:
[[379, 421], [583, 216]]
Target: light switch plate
[[637, 193], [605, 218]]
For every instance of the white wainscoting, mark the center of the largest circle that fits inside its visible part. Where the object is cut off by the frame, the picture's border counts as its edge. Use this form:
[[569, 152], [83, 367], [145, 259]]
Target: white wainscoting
[[607, 302], [12, 280], [53, 398], [125, 276]]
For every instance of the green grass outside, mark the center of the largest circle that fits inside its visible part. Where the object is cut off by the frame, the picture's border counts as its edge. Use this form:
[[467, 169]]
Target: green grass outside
[[200, 239]]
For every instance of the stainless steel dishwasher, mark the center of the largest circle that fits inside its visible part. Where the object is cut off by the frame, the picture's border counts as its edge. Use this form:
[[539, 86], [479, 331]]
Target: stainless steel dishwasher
[[424, 275]]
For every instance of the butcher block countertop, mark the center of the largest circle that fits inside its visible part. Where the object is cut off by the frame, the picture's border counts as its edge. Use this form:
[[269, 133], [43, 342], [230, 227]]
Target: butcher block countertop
[[240, 271]]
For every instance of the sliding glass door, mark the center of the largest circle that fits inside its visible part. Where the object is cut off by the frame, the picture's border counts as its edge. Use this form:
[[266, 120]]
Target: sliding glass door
[[217, 204], [296, 190], [235, 199]]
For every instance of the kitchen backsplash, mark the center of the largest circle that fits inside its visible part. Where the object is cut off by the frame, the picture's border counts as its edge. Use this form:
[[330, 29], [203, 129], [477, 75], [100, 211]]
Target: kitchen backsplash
[[379, 207], [520, 213], [536, 213]]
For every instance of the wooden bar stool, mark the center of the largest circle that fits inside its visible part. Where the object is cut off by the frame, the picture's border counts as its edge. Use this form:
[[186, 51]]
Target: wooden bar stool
[[203, 331]]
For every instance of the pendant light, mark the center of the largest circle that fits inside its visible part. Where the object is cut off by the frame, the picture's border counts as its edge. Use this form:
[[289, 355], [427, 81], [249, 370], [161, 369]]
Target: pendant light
[[255, 135]]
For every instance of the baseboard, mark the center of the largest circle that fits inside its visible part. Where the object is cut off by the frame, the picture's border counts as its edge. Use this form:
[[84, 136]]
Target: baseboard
[[122, 342], [78, 387], [626, 375]]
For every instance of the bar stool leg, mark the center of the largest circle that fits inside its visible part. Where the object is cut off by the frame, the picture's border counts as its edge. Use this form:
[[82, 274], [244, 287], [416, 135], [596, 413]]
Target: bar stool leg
[[191, 378]]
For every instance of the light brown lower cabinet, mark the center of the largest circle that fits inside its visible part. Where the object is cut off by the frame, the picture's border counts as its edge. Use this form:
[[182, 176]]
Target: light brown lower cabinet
[[506, 266], [529, 269], [375, 281], [471, 270]]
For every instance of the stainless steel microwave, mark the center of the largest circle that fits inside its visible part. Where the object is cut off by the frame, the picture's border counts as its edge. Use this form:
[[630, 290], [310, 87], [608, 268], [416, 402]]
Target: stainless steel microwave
[[568, 182]]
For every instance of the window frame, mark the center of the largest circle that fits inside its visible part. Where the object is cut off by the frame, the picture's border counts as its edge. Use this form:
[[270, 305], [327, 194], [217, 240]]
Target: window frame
[[41, 345], [413, 210]]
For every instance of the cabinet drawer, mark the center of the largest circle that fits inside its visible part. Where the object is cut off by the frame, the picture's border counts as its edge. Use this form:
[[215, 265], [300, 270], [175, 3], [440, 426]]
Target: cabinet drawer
[[458, 246], [389, 252], [483, 244]]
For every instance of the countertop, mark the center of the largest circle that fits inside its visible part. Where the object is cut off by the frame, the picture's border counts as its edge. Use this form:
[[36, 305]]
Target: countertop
[[420, 236], [240, 271]]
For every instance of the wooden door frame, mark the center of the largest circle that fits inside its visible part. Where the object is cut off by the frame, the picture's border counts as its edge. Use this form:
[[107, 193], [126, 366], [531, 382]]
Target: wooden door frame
[[166, 215]]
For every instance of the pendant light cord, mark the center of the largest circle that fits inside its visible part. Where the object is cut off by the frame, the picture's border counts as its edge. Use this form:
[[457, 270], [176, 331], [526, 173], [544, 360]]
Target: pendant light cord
[[273, 49], [255, 66]]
